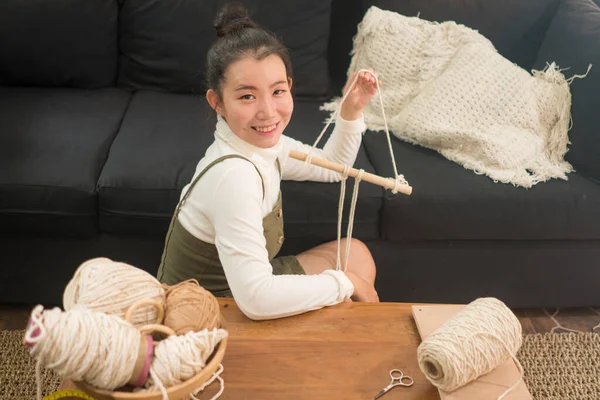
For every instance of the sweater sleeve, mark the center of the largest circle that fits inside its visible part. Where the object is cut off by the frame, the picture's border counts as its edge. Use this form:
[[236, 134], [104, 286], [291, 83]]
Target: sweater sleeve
[[236, 206], [342, 148]]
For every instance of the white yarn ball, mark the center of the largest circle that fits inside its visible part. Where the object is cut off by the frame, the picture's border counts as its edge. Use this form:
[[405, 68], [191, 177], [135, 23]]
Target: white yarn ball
[[84, 345], [112, 287], [179, 358], [470, 344]]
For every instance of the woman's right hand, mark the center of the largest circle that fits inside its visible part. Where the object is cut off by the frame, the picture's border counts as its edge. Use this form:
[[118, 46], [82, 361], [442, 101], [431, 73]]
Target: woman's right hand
[[363, 290]]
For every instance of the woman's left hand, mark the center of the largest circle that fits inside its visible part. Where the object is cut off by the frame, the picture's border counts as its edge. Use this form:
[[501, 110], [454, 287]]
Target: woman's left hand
[[360, 95]]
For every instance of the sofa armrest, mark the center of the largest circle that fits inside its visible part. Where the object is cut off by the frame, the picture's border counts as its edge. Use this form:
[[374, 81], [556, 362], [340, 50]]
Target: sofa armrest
[[573, 42]]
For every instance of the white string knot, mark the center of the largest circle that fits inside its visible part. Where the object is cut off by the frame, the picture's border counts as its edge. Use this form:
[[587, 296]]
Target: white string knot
[[308, 159], [360, 174], [399, 181], [346, 172]]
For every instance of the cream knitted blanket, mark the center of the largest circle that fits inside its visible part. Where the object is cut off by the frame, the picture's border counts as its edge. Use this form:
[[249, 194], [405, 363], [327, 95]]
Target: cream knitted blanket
[[445, 87]]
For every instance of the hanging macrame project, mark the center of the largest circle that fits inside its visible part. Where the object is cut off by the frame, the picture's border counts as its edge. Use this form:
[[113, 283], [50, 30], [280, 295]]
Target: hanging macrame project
[[397, 184]]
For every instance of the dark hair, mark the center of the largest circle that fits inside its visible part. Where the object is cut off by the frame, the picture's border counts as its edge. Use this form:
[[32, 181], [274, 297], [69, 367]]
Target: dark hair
[[239, 36]]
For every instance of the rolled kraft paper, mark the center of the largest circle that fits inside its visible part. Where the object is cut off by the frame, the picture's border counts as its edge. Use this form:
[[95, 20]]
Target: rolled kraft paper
[[143, 362], [478, 339], [190, 307]]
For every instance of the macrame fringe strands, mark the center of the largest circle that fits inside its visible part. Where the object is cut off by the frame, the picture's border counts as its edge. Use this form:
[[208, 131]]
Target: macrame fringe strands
[[397, 184]]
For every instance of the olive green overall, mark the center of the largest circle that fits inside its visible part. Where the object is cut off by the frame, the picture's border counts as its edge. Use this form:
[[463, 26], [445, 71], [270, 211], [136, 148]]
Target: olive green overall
[[185, 256]]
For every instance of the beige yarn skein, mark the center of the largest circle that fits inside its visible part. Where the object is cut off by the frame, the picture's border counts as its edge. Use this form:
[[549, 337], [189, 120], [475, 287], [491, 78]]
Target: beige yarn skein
[[478, 339], [111, 287], [84, 345], [190, 307]]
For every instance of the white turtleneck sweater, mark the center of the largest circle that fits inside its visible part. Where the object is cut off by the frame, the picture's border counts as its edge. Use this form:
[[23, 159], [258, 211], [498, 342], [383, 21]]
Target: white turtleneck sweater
[[226, 208]]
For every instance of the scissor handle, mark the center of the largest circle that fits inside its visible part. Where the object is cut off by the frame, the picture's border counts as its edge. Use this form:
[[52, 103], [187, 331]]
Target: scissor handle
[[398, 378]]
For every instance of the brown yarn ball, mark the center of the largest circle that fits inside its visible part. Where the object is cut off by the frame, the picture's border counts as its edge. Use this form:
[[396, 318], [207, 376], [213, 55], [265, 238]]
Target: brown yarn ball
[[190, 307]]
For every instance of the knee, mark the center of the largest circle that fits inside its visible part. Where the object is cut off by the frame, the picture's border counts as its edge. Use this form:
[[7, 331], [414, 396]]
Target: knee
[[363, 259], [359, 247]]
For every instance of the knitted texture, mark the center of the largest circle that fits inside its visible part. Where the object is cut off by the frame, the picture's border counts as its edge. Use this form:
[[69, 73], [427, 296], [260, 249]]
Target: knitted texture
[[445, 87]]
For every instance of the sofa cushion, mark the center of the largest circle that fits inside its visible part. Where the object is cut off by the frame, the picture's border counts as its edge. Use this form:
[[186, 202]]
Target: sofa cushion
[[451, 203], [58, 43], [162, 138], [164, 42], [573, 42], [52, 148], [527, 19]]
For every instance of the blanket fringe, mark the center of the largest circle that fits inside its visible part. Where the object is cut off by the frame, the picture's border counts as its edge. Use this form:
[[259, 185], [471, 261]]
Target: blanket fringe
[[558, 140]]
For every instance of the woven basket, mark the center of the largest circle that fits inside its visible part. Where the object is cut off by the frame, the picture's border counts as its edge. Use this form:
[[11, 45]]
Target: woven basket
[[177, 392]]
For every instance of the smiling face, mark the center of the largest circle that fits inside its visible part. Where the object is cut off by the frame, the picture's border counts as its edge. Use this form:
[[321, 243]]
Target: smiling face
[[255, 100]]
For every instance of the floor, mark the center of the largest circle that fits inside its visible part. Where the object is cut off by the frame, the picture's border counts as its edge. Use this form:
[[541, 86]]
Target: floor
[[532, 320], [545, 320]]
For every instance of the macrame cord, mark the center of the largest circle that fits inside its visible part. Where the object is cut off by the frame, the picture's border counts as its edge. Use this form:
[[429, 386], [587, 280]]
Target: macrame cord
[[340, 212], [398, 180]]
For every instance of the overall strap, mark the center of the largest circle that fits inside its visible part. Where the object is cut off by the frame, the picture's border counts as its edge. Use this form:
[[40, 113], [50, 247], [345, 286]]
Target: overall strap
[[189, 191], [278, 166], [209, 166]]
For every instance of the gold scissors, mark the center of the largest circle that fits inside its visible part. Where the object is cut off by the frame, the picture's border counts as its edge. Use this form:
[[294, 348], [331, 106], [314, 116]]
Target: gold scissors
[[398, 379]]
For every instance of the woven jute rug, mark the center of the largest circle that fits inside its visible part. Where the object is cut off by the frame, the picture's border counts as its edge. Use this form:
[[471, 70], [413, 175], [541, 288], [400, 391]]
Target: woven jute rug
[[17, 370], [558, 366], [562, 366]]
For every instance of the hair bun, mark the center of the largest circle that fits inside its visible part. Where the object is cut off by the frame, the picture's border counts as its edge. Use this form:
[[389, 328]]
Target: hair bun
[[231, 18]]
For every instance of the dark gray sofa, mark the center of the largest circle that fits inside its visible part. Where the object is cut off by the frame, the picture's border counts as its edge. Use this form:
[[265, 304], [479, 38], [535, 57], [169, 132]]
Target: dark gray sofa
[[103, 119]]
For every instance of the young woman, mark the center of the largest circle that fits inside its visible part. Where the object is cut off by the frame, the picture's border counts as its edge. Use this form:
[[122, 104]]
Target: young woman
[[228, 226]]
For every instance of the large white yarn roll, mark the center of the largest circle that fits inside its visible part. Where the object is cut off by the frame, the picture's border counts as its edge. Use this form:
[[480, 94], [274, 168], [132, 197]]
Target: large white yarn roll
[[111, 287], [179, 358], [83, 345], [478, 339]]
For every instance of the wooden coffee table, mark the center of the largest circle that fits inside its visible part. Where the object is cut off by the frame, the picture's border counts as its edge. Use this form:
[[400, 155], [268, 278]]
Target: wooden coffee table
[[340, 352]]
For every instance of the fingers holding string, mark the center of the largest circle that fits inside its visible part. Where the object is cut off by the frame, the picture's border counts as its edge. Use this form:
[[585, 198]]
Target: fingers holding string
[[367, 77], [371, 78], [350, 81]]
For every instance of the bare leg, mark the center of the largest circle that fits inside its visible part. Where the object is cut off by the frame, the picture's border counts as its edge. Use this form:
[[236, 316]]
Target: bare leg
[[320, 258]]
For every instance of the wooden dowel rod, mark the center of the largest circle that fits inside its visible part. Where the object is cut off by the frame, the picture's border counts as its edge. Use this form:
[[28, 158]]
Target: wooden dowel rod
[[353, 172]]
